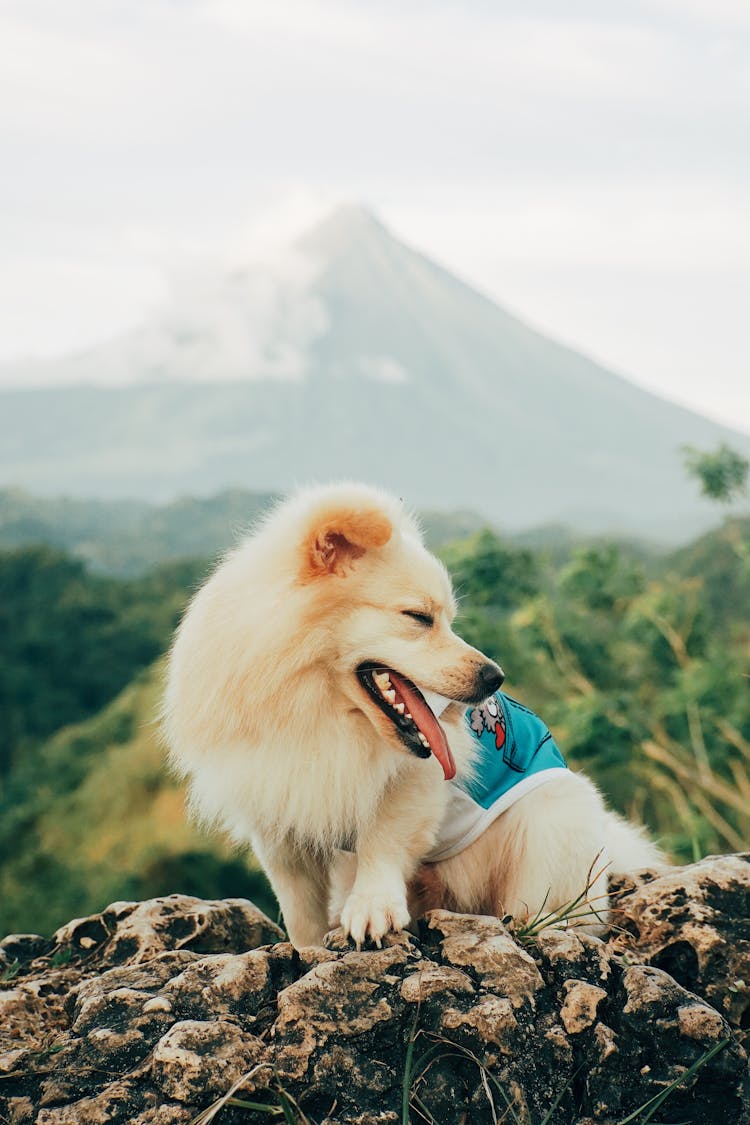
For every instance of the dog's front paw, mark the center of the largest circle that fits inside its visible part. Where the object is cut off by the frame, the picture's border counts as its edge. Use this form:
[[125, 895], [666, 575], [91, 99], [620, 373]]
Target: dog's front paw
[[373, 916]]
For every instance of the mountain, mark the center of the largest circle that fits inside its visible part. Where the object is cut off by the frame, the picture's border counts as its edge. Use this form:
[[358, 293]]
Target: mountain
[[355, 356]]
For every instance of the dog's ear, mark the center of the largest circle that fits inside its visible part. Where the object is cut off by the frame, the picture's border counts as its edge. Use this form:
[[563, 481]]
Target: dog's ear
[[340, 537]]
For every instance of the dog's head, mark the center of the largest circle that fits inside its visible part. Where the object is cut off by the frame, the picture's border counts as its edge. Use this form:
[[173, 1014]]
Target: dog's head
[[386, 608], [331, 623]]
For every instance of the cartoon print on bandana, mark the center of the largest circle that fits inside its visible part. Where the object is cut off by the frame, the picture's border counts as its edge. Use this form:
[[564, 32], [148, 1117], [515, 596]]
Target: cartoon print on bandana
[[490, 716]]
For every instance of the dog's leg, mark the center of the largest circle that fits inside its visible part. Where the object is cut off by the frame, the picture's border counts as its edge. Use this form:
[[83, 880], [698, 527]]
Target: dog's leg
[[300, 883], [387, 855], [377, 903], [559, 839], [342, 876]]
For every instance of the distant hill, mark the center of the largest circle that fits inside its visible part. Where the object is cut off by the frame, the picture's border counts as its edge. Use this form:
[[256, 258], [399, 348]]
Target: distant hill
[[720, 560], [354, 356], [127, 537]]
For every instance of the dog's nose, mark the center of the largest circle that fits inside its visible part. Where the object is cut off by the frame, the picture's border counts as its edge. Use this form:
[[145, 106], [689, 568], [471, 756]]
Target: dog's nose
[[489, 679]]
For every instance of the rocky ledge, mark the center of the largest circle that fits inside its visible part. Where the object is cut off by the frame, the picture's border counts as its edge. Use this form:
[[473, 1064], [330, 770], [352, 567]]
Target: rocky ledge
[[179, 1010]]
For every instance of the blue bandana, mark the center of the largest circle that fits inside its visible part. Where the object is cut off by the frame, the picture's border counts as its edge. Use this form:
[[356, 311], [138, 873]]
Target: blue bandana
[[515, 752]]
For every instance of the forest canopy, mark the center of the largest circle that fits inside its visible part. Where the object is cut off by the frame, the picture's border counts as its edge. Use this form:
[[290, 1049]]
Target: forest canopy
[[640, 664]]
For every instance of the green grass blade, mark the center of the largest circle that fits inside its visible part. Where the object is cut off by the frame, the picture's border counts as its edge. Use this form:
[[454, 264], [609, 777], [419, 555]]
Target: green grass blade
[[408, 1072], [287, 1111], [259, 1107]]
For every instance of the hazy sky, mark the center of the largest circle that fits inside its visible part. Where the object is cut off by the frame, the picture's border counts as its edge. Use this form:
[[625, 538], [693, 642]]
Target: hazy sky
[[587, 164]]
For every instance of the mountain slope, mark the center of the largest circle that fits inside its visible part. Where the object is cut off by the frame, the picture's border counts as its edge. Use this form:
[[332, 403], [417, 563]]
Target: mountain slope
[[357, 357], [92, 816]]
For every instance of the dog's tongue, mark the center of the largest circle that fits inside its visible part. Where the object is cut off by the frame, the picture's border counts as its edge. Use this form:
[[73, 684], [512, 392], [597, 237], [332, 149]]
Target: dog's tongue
[[427, 723]]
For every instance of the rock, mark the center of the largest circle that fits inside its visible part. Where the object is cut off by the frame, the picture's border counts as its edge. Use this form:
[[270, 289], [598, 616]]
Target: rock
[[137, 931], [201, 1059], [149, 1013], [694, 922], [579, 1008], [484, 946], [18, 948]]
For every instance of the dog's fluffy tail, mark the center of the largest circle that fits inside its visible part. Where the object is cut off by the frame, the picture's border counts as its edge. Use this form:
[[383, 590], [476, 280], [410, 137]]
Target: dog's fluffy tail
[[629, 847]]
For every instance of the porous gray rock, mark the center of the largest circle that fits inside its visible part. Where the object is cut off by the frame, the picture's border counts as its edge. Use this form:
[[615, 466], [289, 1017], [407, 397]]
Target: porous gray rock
[[138, 931], [694, 922], [151, 1013]]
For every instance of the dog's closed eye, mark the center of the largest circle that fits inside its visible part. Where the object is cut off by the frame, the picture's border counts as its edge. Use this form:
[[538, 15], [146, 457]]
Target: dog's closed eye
[[425, 619]]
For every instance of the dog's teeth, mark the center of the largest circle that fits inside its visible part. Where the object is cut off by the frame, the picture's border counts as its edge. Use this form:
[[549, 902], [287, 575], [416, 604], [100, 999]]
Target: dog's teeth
[[390, 696], [400, 708], [422, 739], [408, 716], [382, 679]]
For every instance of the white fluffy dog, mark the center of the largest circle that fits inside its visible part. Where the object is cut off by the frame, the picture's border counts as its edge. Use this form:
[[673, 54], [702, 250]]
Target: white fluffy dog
[[304, 688]]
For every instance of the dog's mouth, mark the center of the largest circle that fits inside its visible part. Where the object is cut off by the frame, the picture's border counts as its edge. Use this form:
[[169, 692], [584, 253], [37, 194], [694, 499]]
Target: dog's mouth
[[405, 705]]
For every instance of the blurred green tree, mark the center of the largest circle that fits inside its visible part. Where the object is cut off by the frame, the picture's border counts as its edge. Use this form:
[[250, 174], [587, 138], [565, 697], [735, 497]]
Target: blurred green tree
[[722, 474], [70, 641]]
